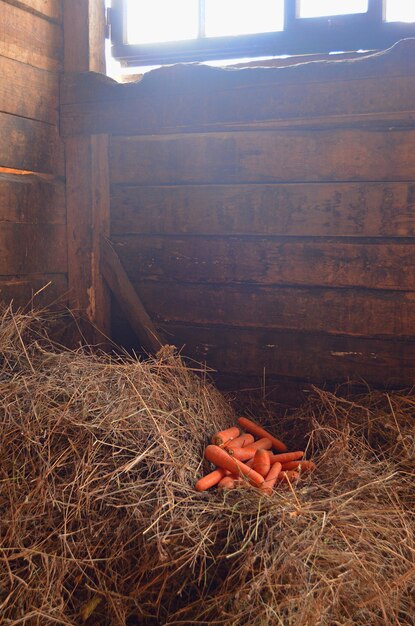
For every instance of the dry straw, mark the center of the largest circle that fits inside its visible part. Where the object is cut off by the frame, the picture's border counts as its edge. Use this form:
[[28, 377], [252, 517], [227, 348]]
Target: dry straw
[[100, 523]]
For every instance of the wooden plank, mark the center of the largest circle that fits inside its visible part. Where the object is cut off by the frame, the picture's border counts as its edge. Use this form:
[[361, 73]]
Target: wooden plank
[[187, 78], [32, 249], [284, 393], [87, 192], [377, 88], [51, 9], [38, 291], [314, 358], [128, 299], [84, 22], [87, 177], [31, 200], [253, 157], [40, 89], [355, 312], [29, 38], [135, 109], [373, 264], [30, 145], [322, 209]]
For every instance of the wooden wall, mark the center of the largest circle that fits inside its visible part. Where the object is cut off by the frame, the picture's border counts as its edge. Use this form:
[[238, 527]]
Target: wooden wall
[[32, 189], [266, 216]]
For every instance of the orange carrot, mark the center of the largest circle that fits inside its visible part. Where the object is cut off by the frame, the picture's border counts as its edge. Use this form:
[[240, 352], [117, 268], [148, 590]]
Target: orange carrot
[[224, 436], [271, 478], [210, 480], [286, 457], [239, 442], [257, 430], [288, 476], [222, 459], [242, 454], [227, 482], [261, 462], [303, 466]]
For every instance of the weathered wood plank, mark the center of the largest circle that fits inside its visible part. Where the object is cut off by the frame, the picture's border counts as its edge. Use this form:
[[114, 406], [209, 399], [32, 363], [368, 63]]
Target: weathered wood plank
[[31, 200], [254, 157], [87, 192], [128, 299], [314, 358], [30, 145], [51, 9], [336, 209], [374, 264], [285, 393], [30, 38], [134, 109], [185, 78], [40, 89], [360, 312], [32, 249], [87, 177], [84, 22], [40, 290], [377, 88]]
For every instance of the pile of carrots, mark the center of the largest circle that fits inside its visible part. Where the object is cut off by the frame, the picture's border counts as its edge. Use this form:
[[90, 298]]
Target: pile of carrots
[[239, 457]]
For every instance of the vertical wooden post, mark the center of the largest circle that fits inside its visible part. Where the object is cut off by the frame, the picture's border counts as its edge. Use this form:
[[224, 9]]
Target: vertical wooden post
[[87, 176]]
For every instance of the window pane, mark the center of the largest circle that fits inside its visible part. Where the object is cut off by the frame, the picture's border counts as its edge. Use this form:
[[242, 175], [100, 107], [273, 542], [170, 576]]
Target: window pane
[[321, 8], [242, 17], [161, 20], [400, 11]]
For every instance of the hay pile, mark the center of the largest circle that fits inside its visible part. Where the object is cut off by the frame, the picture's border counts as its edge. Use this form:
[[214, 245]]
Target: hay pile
[[100, 523]]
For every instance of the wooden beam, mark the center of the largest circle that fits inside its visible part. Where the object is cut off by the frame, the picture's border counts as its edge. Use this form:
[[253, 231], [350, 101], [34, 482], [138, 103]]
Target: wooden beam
[[87, 195], [302, 261], [87, 176], [128, 299], [84, 28], [30, 145]]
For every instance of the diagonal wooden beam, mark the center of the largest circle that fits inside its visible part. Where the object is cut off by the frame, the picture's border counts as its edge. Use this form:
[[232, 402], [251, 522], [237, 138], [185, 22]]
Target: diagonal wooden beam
[[116, 277]]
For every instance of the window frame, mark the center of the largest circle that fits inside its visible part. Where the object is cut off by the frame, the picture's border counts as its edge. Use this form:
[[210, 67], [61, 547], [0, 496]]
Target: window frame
[[307, 35]]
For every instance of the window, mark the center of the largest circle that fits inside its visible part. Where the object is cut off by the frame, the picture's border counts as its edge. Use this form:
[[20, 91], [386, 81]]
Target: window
[[153, 32], [321, 8]]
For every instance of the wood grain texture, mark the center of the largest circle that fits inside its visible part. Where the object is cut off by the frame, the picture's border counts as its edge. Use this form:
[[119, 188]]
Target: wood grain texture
[[134, 109], [322, 209], [37, 291], [354, 312], [28, 92], [29, 38], [51, 9], [253, 157], [31, 200], [87, 194], [307, 356], [87, 177], [32, 249], [84, 22], [372, 264], [186, 78], [377, 89], [30, 145], [128, 299]]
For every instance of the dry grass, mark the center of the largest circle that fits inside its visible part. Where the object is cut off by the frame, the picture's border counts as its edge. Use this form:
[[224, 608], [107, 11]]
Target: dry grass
[[100, 523]]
